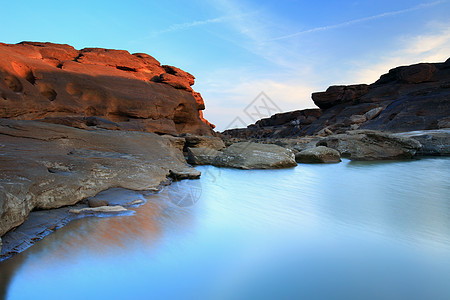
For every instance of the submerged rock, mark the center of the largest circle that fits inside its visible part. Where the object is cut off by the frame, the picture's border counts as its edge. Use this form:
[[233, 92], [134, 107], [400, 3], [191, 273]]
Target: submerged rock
[[320, 154], [247, 155], [372, 145]]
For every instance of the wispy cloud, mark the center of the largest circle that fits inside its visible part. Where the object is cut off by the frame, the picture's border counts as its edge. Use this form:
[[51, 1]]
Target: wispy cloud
[[360, 20], [189, 25]]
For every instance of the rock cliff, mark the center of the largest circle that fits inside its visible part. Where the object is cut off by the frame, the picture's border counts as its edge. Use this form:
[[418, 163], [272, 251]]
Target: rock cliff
[[407, 98], [105, 88]]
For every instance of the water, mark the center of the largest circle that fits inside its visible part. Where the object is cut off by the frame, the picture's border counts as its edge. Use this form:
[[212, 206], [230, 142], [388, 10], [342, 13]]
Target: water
[[352, 230]]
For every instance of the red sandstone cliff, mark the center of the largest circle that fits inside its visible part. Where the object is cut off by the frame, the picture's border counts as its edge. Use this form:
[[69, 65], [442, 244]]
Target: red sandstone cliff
[[111, 89]]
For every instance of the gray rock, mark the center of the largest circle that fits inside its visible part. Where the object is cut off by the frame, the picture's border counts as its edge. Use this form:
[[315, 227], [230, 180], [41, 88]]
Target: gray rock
[[97, 202], [201, 156], [184, 174], [247, 155], [46, 166], [358, 119], [434, 142], [320, 154], [196, 141], [372, 145], [373, 113], [177, 142]]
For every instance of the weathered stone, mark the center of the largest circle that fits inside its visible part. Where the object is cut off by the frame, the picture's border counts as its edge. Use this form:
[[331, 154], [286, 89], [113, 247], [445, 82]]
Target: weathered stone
[[434, 142], [59, 84], [177, 142], [407, 98], [97, 202], [184, 174], [248, 155], [195, 141], [373, 113], [358, 119], [201, 156], [320, 154], [338, 94], [372, 145], [60, 165]]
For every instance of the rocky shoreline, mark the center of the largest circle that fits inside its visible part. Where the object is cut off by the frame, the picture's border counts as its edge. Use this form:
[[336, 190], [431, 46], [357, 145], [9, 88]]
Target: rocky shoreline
[[75, 124]]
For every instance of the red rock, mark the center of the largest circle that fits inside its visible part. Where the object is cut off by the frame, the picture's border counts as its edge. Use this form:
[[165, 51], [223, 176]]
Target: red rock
[[59, 84]]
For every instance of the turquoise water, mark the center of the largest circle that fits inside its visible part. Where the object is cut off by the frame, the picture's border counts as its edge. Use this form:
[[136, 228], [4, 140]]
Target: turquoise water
[[352, 230]]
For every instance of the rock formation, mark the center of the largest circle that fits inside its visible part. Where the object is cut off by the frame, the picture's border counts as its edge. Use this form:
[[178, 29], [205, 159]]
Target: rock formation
[[110, 89], [47, 166], [248, 155], [320, 154], [408, 98]]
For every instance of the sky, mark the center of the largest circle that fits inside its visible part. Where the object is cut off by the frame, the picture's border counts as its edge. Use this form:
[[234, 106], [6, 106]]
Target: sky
[[238, 49]]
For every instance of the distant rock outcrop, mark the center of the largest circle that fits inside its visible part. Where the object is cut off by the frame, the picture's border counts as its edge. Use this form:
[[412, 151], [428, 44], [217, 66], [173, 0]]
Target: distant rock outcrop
[[106, 88], [408, 98]]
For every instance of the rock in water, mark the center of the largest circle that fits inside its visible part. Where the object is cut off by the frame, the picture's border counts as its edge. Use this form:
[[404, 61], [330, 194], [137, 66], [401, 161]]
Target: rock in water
[[247, 155], [97, 87], [434, 142], [45, 166], [97, 202], [320, 154], [372, 145], [201, 156]]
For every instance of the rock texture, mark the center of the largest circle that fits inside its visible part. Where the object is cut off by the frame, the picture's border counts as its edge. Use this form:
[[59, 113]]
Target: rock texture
[[434, 142], [201, 156], [96, 87], [320, 154], [372, 145], [45, 166], [408, 98], [248, 155]]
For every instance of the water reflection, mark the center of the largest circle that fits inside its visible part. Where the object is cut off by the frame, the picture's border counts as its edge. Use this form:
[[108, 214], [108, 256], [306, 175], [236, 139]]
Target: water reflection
[[346, 229]]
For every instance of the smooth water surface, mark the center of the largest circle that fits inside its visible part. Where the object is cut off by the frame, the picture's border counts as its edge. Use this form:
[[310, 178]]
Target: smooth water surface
[[352, 230]]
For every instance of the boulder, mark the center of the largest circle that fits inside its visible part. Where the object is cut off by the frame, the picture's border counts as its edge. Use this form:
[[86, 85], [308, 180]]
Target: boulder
[[434, 142], [371, 145], [247, 155], [97, 202], [95, 87], [338, 94], [201, 156], [60, 165], [196, 141], [320, 154]]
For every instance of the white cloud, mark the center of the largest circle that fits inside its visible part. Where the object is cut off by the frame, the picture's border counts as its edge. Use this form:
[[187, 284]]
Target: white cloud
[[433, 47]]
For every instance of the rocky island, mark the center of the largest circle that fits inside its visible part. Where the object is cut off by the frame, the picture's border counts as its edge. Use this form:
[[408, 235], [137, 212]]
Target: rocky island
[[74, 123]]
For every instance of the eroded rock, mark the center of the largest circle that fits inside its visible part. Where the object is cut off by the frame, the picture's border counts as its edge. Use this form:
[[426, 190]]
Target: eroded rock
[[320, 154], [60, 165], [247, 155], [201, 156], [371, 145]]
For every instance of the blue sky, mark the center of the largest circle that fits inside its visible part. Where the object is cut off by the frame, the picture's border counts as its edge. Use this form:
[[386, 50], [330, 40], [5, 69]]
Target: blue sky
[[236, 49]]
